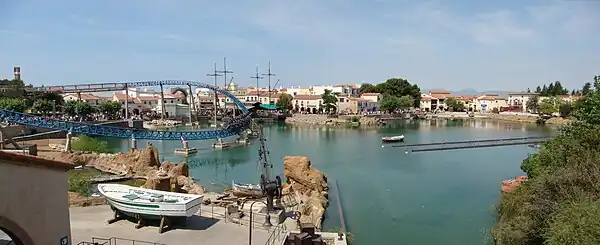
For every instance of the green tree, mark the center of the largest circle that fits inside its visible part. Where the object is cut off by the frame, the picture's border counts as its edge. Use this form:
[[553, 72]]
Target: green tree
[[587, 88], [454, 104], [559, 203], [42, 106], [399, 87], [12, 104], [367, 88], [329, 101], [548, 106], [565, 109], [12, 89], [285, 101], [77, 108], [589, 106], [533, 104], [90, 144], [110, 109], [390, 103], [405, 102]]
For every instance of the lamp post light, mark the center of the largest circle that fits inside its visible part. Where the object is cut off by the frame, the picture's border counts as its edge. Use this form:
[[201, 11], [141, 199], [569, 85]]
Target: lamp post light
[[267, 223]]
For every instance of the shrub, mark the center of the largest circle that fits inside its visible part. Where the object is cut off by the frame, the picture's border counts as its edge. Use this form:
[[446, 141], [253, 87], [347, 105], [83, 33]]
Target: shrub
[[80, 182], [90, 144]]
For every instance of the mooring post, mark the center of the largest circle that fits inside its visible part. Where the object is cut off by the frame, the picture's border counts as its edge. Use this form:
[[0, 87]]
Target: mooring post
[[68, 142], [133, 143]]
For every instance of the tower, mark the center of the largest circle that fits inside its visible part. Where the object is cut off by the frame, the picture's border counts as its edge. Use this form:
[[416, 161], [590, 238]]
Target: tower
[[17, 73]]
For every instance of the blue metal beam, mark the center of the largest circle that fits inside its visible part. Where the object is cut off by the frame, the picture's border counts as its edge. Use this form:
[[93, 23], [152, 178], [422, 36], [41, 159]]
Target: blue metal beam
[[237, 126]]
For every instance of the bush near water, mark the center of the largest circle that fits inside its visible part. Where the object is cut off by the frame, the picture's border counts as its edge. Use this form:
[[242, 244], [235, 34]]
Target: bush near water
[[560, 203], [90, 144]]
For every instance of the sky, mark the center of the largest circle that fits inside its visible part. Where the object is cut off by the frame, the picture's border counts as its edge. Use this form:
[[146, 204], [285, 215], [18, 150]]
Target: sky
[[484, 45]]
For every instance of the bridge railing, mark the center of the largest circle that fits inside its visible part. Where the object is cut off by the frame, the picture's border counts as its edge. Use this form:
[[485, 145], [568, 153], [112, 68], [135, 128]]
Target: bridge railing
[[117, 241]]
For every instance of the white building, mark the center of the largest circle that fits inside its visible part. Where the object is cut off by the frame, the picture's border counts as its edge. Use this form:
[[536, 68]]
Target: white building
[[520, 99]]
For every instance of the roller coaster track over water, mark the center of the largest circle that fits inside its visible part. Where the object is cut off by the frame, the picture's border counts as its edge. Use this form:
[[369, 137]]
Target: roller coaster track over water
[[236, 126]]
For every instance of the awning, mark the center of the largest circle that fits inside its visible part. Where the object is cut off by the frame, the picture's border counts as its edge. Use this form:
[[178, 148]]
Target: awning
[[269, 106]]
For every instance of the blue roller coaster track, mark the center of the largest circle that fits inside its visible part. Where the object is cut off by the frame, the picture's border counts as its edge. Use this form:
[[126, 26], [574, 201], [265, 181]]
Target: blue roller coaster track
[[236, 126]]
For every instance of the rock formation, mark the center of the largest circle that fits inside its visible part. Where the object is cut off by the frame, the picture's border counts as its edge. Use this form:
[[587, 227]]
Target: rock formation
[[309, 188], [511, 185], [142, 163]]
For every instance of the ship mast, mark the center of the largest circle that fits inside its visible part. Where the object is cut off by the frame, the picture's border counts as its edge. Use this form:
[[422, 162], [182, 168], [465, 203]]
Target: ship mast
[[271, 188]]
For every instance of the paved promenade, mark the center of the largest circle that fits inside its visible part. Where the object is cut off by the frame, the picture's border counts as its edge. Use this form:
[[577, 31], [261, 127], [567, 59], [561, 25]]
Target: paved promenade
[[88, 222]]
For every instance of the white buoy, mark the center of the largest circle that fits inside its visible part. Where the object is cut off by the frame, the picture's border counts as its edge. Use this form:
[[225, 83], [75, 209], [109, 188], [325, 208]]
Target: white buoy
[[406, 152], [382, 146]]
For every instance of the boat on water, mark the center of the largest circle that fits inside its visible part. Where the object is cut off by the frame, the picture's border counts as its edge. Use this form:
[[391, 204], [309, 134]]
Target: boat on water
[[221, 145], [186, 151], [391, 139], [246, 190], [152, 204]]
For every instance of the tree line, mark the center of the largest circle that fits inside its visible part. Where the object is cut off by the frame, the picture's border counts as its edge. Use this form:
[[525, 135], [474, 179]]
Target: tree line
[[15, 97], [560, 203], [398, 93]]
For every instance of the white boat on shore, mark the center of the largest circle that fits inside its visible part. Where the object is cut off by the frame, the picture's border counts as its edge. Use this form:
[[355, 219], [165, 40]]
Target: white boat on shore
[[246, 190], [150, 203]]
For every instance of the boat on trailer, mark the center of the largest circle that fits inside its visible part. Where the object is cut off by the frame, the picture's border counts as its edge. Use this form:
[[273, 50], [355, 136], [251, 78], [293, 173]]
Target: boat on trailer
[[392, 139], [149, 204], [246, 190]]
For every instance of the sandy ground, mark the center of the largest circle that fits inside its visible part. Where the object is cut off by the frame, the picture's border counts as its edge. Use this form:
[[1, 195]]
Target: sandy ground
[[91, 222]]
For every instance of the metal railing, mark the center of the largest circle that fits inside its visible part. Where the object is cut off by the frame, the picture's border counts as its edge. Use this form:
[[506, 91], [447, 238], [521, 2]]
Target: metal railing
[[117, 241], [278, 235]]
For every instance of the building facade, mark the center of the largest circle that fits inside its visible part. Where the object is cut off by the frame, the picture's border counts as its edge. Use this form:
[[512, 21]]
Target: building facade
[[34, 208]]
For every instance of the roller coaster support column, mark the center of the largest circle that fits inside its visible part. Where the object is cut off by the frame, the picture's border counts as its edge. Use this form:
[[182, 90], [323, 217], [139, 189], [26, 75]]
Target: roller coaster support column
[[191, 94], [133, 143], [68, 142], [126, 102], [185, 144], [162, 101], [78, 96]]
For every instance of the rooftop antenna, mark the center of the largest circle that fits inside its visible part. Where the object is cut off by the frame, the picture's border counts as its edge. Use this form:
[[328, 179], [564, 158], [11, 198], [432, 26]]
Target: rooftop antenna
[[269, 75], [215, 74], [225, 72]]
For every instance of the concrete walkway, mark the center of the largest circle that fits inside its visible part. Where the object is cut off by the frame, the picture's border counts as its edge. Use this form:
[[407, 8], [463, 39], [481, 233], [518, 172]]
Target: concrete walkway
[[88, 222]]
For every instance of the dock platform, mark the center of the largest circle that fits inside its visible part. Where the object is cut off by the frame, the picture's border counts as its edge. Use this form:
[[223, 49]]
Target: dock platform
[[470, 144]]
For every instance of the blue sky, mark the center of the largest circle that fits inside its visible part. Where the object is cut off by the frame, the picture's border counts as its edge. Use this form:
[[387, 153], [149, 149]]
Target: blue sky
[[485, 45]]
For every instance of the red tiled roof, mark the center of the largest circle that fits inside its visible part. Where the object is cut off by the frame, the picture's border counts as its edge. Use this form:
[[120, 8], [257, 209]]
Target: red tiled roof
[[19, 159], [359, 99], [439, 92], [370, 94], [307, 97], [122, 97]]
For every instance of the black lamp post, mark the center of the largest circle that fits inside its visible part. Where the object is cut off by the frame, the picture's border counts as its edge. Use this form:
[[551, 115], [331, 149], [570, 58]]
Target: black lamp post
[[267, 223]]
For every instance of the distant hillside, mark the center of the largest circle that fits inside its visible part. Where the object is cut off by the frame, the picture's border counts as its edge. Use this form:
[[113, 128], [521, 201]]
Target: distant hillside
[[469, 91]]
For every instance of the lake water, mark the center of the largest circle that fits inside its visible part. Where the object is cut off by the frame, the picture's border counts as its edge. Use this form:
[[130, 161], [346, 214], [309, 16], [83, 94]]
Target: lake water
[[388, 196]]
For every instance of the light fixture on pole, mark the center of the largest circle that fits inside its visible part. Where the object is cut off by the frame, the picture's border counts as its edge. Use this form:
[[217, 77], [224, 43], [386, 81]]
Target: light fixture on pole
[[267, 224]]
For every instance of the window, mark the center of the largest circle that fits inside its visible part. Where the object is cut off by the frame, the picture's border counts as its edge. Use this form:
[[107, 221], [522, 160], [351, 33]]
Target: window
[[171, 101]]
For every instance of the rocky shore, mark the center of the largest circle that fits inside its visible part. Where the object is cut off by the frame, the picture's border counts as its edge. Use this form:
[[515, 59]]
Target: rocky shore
[[511, 185], [324, 120], [141, 163]]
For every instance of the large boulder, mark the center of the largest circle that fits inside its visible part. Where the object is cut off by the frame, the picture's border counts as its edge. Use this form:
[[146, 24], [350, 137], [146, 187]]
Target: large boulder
[[511, 185], [308, 186], [158, 181]]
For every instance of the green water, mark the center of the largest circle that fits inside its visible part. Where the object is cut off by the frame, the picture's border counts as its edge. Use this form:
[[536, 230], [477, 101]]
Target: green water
[[388, 196]]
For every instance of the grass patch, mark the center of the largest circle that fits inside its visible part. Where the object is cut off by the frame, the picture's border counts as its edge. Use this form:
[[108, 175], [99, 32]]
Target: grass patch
[[90, 144], [133, 182]]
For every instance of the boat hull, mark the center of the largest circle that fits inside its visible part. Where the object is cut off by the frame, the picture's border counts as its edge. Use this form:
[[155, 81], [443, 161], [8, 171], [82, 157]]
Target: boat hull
[[392, 139], [154, 210], [241, 190], [151, 203]]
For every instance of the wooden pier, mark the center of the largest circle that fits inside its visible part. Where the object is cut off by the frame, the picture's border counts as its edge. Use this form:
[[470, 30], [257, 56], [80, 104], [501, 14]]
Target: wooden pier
[[471, 144]]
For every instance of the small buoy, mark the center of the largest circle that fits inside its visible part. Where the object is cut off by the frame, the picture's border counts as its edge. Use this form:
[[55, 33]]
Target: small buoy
[[406, 152], [382, 146]]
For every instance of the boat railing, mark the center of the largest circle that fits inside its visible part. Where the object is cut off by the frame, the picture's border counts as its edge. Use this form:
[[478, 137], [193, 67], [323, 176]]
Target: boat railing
[[117, 241]]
